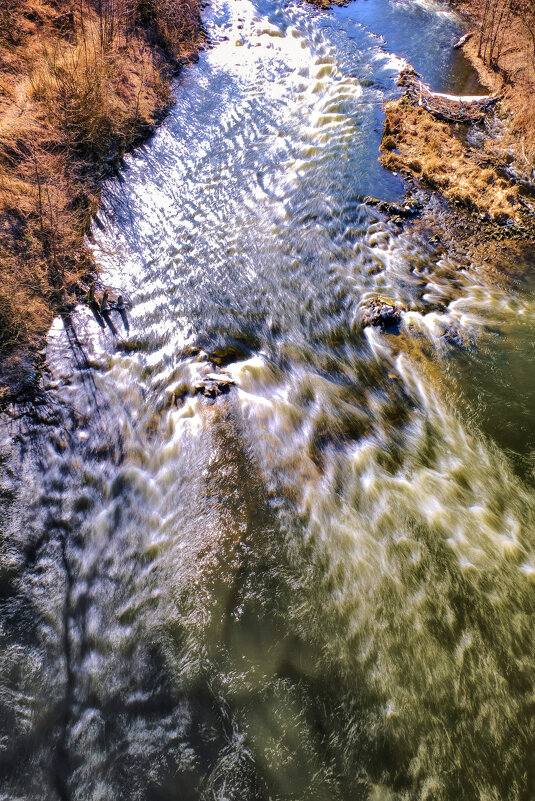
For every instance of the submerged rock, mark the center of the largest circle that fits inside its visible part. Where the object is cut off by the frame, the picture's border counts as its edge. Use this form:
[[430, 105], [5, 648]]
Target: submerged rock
[[228, 354]]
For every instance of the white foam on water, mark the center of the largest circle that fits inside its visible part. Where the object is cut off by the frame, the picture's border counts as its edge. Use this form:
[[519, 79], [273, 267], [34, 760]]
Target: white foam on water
[[391, 61]]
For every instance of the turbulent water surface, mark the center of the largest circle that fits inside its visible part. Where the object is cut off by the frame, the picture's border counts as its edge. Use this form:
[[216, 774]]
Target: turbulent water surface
[[320, 585]]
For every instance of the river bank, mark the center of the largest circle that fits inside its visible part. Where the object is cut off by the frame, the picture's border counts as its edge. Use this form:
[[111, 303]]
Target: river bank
[[501, 47], [482, 169], [77, 90]]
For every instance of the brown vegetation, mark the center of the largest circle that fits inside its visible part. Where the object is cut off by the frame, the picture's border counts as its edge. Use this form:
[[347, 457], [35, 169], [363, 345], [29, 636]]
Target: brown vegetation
[[502, 49], [414, 140], [503, 52], [80, 82]]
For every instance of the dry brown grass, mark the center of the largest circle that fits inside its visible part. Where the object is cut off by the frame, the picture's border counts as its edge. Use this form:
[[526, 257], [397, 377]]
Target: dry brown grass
[[510, 69], [430, 150], [73, 98]]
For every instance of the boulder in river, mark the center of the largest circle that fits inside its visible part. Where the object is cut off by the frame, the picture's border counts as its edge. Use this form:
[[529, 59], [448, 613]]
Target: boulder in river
[[213, 384], [381, 312]]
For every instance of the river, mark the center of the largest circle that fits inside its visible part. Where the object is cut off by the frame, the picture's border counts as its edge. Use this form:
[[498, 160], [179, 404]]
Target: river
[[321, 584]]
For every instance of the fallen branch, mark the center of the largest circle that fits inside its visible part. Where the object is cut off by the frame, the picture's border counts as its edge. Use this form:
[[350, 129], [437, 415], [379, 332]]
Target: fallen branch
[[463, 40], [452, 108]]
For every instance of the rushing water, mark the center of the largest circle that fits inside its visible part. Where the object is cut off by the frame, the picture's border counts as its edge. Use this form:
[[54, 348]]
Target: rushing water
[[321, 585]]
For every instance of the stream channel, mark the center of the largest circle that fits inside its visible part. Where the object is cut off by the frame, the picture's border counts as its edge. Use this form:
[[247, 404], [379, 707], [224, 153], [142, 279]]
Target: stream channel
[[319, 585]]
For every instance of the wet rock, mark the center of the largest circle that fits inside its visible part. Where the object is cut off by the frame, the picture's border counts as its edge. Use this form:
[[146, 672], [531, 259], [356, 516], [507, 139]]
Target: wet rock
[[381, 312], [411, 206], [213, 385], [175, 396], [60, 443], [228, 354], [453, 336], [102, 450]]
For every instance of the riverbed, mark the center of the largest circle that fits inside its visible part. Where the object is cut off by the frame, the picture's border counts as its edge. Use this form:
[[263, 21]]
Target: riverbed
[[319, 584]]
